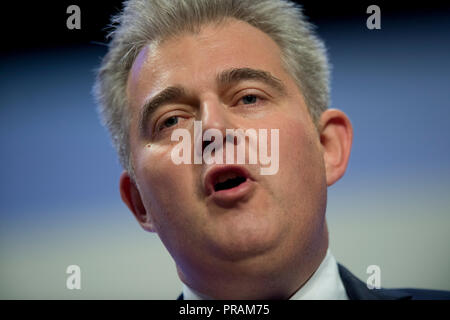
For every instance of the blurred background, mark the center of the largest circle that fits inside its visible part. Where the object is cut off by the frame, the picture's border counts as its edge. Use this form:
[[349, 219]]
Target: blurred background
[[59, 198]]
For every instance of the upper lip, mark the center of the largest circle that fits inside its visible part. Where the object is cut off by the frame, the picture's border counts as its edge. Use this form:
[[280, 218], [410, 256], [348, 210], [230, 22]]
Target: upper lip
[[213, 173]]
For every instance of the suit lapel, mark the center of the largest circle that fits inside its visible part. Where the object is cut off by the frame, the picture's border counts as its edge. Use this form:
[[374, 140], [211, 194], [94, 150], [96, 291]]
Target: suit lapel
[[358, 290]]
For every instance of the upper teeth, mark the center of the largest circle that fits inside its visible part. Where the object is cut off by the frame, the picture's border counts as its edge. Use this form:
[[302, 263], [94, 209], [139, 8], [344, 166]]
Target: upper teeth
[[225, 176]]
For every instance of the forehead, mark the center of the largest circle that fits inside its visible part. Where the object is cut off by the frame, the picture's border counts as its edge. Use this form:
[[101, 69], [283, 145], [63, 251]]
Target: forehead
[[195, 59]]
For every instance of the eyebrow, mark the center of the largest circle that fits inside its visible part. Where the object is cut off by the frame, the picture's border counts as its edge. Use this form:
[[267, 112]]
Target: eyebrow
[[224, 78], [231, 76], [168, 95]]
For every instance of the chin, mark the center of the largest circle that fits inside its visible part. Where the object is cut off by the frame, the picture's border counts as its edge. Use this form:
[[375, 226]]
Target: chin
[[246, 243]]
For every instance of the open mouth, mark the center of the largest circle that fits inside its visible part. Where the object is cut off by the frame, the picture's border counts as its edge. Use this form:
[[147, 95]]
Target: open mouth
[[228, 181], [227, 185]]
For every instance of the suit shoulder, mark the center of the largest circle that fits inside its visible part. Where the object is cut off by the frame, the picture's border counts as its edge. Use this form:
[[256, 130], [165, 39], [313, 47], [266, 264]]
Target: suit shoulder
[[358, 290], [420, 294]]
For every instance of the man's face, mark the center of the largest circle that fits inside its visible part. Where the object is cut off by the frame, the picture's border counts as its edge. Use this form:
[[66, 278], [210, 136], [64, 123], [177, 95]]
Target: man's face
[[274, 221]]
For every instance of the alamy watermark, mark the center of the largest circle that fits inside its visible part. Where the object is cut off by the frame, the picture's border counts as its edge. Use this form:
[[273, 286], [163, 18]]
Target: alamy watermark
[[213, 153], [73, 281], [374, 20], [74, 20], [374, 280]]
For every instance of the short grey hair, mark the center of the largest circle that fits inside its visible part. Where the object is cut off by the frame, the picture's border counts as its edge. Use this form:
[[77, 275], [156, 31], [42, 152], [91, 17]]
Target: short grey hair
[[145, 22]]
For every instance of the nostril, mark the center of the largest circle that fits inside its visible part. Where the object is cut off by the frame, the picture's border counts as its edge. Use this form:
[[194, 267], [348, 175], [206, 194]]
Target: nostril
[[206, 143], [233, 139]]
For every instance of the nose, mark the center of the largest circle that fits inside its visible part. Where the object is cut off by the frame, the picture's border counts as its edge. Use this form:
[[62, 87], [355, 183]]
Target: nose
[[214, 116]]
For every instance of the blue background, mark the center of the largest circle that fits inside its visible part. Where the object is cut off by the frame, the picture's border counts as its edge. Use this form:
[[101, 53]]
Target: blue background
[[59, 199]]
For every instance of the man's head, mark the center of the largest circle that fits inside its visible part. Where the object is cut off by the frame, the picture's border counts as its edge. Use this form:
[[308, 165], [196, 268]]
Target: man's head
[[230, 65]]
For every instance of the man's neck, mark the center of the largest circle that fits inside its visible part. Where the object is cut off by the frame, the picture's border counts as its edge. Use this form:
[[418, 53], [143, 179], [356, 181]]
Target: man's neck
[[324, 284]]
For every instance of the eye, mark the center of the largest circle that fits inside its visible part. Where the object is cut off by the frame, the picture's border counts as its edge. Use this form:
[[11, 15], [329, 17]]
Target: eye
[[249, 99], [169, 122]]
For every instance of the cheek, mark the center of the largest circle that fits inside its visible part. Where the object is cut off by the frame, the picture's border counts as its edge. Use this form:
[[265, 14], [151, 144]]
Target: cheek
[[165, 187], [298, 148], [301, 176]]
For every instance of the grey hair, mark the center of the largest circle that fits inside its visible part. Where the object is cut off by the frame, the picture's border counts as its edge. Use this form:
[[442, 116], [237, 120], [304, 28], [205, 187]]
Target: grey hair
[[145, 22]]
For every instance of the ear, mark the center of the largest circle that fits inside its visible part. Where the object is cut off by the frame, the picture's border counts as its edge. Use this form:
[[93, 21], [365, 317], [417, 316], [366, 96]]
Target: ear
[[336, 135], [132, 198]]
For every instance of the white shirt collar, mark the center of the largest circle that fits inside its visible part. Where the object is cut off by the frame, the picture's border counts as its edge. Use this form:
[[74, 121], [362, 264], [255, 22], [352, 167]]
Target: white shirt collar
[[324, 284]]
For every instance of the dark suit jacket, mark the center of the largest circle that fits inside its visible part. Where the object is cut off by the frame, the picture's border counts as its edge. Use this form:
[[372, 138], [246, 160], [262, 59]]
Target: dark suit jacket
[[357, 290]]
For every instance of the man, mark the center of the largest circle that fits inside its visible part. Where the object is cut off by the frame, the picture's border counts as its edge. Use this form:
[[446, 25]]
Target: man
[[195, 72]]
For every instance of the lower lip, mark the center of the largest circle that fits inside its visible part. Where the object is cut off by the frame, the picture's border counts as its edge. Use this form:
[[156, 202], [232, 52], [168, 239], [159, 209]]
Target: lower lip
[[229, 197]]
